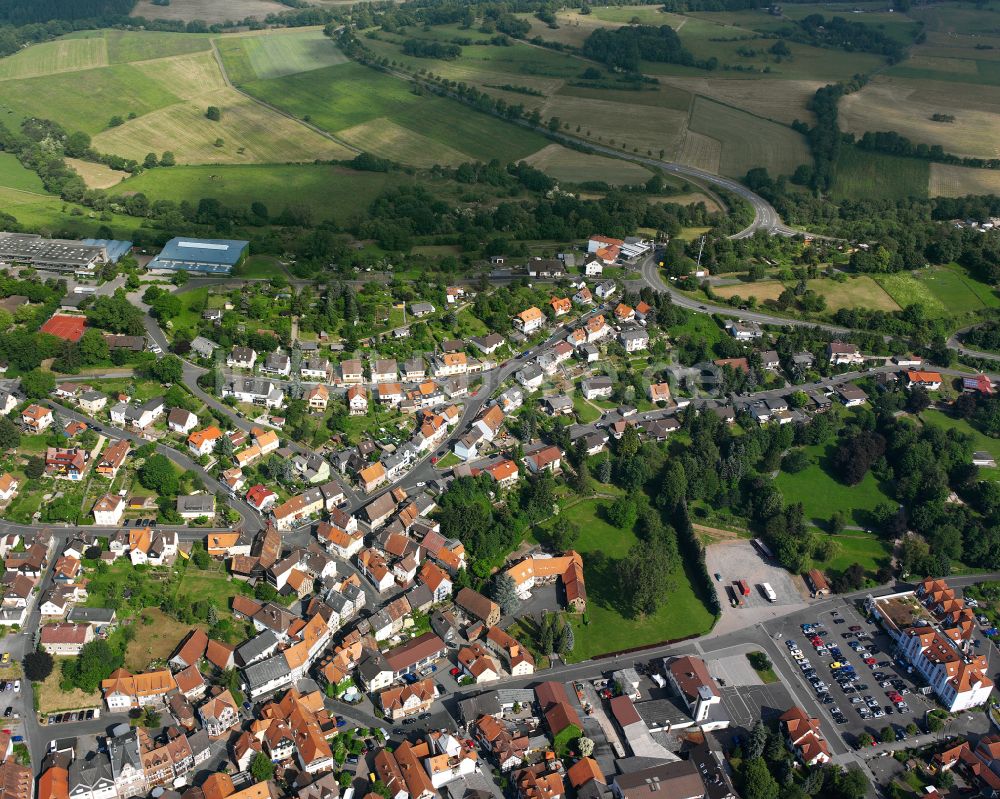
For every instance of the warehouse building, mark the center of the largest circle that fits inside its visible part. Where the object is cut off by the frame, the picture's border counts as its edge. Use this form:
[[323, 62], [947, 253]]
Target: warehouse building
[[60, 255], [212, 256]]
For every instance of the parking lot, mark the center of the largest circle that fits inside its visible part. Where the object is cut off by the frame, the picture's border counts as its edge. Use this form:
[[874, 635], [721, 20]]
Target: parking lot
[[846, 665], [730, 561]]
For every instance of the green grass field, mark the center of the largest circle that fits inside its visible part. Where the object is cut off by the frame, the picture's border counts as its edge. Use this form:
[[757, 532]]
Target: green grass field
[[88, 100], [330, 192], [347, 96], [821, 494], [879, 177], [958, 292], [856, 547], [608, 631], [906, 290], [127, 46], [14, 176], [249, 58]]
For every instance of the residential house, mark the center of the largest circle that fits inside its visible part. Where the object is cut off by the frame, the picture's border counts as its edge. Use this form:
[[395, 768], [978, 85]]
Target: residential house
[[384, 371], [546, 458], [317, 398], [277, 363], [357, 401], [241, 358], [583, 296], [316, 369], [604, 290], [504, 472], [599, 387], [202, 442], [409, 700], [65, 463], [352, 371], [634, 340], [261, 498], [529, 376], [487, 344], [254, 392], [196, 506], [659, 392], [477, 606], [123, 690], [36, 418], [529, 320], [108, 510], [8, 487], [219, 714], [560, 306], [744, 331], [92, 401], [65, 639], [804, 737], [298, 508], [841, 353], [851, 395], [928, 380]]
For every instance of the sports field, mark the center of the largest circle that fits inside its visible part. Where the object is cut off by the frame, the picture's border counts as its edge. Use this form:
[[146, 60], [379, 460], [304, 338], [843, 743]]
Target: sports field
[[942, 290], [571, 166], [748, 141], [330, 192], [249, 58]]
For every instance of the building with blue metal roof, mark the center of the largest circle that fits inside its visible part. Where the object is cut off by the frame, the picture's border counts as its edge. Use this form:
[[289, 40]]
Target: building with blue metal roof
[[113, 247], [212, 256]]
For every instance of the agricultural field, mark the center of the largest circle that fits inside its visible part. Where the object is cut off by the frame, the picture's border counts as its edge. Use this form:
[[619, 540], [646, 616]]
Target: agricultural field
[[877, 176], [248, 133], [48, 215], [783, 103], [128, 46], [96, 176], [906, 106], [957, 181], [260, 57], [208, 10], [343, 97], [88, 100], [49, 58], [748, 141]]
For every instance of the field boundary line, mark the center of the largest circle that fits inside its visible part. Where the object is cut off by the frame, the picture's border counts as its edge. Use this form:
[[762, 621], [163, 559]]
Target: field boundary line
[[324, 133]]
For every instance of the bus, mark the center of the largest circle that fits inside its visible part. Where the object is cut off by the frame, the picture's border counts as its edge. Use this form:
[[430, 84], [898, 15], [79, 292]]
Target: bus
[[769, 592], [764, 548]]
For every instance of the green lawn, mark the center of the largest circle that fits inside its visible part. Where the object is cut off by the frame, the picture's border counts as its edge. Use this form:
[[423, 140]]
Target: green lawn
[[263, 266], [956, 290], [608, 631], [585, 412], [874, 176], [821, 494], [905, 289], [211, 583], [855, 547], [980, 440]]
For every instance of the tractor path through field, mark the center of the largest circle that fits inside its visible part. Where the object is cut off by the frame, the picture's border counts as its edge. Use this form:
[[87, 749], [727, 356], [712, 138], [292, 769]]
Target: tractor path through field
[[225, 77]]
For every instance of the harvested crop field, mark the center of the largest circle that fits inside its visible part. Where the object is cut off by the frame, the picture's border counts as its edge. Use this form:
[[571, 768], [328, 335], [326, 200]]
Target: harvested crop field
[[906, 106], [957, 181], [96, 176], [571, 166], [690, 198], [262, 135], [783, 102], [48, 58], [654, 129], [187, 76], [208, 10], [748, 141], [700, 151]]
